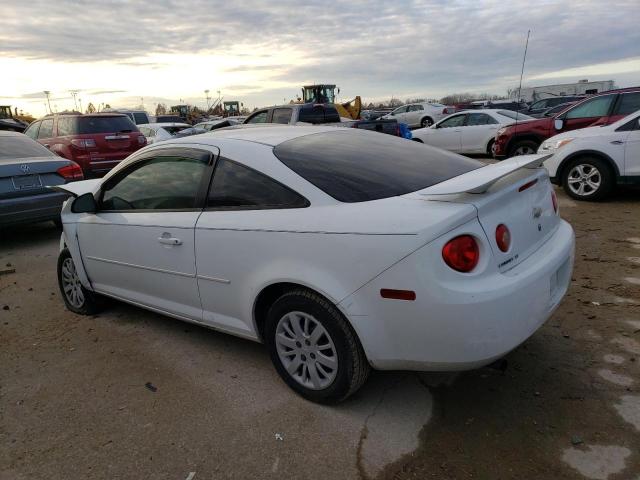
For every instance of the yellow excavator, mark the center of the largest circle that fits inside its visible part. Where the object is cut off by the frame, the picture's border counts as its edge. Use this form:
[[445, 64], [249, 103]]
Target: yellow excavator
[[325, 93]]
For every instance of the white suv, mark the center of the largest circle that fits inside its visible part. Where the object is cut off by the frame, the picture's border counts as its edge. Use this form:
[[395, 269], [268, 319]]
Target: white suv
[[589, 162], [420, 114]]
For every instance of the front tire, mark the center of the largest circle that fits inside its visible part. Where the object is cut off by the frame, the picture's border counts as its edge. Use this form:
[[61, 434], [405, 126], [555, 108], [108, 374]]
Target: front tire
[[588, 178], [524, 147], [314, 349], [426, 122], [76, 298]]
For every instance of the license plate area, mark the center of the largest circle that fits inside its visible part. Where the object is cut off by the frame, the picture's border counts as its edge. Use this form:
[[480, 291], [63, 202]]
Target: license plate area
[[26, 182]]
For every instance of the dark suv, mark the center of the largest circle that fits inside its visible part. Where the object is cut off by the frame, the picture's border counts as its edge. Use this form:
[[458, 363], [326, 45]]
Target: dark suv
[[536, 109], [96, 142], [602, 109]]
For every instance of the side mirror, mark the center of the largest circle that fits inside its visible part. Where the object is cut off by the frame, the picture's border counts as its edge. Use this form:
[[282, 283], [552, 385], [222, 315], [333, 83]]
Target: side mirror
[[85, 203], [558, 123]]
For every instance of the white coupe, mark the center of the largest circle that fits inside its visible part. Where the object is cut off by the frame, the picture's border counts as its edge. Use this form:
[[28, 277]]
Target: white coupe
[[340, 249], [469, 132], [590, 162], [159, 132]]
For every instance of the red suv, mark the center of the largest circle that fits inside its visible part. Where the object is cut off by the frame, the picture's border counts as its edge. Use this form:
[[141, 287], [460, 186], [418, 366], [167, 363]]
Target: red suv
[[601, 109], [97, 142]]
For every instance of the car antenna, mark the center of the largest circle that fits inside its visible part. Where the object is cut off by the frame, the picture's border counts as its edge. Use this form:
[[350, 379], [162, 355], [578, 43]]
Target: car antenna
[[524, 58]]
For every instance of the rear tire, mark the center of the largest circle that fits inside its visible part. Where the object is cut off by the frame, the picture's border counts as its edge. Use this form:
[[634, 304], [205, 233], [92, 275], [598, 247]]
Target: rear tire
[[490, 147], [76, 298], [426, 122], [313, 348], [523, 147], [588, 178]]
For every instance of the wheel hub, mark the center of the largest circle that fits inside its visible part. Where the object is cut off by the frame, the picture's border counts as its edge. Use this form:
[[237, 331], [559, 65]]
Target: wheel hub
[[306, 350]]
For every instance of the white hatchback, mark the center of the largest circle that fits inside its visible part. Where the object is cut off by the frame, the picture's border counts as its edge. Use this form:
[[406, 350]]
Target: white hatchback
[[340, 249], [590, 162]]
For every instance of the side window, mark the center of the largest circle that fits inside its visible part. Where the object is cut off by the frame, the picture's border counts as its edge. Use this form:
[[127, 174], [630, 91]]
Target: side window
[[260, 117], [400, 110], [236, 187], [65, 126], [139, 118], [415, 108], [46, 129], [628, 103], [475, 119], [595, 107], [161, 183], [539, 104], [32, 130], [455, 121], [281, 115]]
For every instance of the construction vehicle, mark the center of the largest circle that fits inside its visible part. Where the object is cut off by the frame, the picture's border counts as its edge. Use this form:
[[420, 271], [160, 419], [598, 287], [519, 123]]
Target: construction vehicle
[[326, 93], [231, 109], [9, 122]]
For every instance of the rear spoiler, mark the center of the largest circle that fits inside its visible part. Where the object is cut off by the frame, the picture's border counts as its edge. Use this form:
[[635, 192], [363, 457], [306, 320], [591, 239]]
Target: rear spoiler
[[77, 188], [478, 181]]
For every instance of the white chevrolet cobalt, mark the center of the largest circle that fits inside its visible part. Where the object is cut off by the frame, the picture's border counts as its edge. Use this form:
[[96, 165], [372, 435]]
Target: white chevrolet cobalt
[[340, 249]]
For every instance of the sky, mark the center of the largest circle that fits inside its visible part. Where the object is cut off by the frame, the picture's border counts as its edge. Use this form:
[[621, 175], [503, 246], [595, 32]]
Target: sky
[[127, 53]]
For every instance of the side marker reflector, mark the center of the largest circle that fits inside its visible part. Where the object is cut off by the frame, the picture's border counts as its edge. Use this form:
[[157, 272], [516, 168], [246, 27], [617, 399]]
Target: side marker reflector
[[398, 294]]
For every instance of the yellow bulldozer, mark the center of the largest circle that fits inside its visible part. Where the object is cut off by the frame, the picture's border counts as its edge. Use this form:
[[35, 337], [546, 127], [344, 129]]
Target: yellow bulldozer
[[325, 93]]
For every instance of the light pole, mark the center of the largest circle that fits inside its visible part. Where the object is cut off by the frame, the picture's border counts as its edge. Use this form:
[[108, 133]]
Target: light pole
[[206, 94], [73, 94], [47, 93]]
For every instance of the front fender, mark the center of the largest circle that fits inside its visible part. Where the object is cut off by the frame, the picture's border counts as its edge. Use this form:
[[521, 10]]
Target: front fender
[[69, 240]]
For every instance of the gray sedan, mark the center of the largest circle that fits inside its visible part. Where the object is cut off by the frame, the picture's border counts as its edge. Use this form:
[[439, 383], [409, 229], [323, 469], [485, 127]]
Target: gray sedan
[[26, 170]]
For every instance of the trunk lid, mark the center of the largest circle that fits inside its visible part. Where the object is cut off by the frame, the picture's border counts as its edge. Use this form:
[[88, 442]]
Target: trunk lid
[[515, 193]]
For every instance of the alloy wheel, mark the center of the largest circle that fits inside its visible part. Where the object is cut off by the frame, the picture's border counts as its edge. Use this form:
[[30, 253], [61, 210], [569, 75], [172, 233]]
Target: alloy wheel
[[306, 350], [524, 150], [71, 284], [584, 179]]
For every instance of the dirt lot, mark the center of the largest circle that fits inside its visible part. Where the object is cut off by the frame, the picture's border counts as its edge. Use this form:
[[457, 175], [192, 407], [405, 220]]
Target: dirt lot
[[74, 405]]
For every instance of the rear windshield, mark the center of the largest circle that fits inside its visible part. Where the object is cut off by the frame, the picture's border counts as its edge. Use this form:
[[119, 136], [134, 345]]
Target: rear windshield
[[105, 124], [357, 166], [514, 115], [141, 118], [20, 146], [174, 130]]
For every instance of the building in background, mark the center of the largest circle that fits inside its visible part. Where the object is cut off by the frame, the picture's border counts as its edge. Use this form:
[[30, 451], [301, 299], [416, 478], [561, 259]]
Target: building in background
[[582, 87]]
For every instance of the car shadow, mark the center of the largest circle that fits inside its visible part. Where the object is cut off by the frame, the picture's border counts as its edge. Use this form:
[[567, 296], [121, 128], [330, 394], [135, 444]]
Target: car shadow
[[28, 235]]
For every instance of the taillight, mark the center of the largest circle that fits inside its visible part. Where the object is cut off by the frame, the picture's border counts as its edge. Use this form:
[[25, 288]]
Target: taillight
[[83, 143], [142, 140], [445, 111], [503, 237], [461, 253], [554, 200], [71, 172]]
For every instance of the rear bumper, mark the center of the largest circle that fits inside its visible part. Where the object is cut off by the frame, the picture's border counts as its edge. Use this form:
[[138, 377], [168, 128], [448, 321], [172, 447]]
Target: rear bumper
[[463, 323], [31, 209]]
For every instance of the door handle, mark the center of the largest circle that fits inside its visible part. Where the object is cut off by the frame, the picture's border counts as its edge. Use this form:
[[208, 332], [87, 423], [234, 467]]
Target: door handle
[[617, 142], [167, 239]]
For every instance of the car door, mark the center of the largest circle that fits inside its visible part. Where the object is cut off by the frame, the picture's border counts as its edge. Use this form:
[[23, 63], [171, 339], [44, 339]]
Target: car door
[[228, 241], [139, 245], [475, 134], [632, 151], [414, 112], [587, 113], [400, 114], [447, 134]]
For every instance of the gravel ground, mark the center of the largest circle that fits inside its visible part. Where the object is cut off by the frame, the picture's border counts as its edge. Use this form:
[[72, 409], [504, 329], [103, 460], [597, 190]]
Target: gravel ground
[[129, 394]]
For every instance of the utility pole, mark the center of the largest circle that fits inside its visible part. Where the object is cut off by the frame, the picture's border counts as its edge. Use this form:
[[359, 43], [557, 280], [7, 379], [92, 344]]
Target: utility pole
[[80, 103], [74, 93], [47, 93], [206, 94]]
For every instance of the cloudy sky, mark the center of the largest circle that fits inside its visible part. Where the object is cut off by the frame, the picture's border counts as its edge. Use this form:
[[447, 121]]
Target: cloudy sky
[[262, 52]]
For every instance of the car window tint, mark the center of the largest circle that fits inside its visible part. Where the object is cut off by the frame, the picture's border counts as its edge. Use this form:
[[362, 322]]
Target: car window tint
[[629, 103], [46, 129], [539, 104], [104, 124], [66, 126], [20, 146], [355, 166], [474, 119], [237, 186], [260, 117], [281, 115], [32, 130], [400, 110], [140, 118], [514, 115], [454, 121], [595, 107], [163, 183]]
